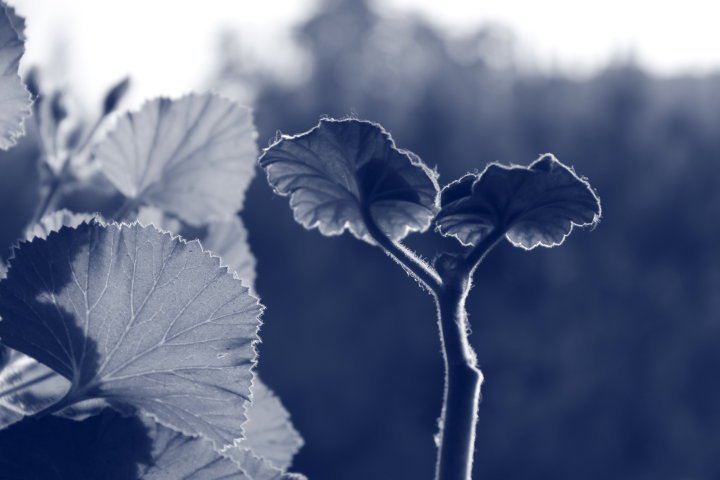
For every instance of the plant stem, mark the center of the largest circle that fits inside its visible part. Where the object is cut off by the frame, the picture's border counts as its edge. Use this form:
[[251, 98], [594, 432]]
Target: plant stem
[[29, 383], [406, 258], [463, 378], [462, 386]]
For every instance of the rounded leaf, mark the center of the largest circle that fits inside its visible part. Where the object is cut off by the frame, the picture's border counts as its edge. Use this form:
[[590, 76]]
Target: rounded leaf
[[14, 98], [193, 157], [533, 206], [138, 318], [343, 168]]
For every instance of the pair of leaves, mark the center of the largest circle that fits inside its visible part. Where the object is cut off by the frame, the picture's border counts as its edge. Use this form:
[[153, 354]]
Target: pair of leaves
[[193, 157], [14, 98], [339, 171]]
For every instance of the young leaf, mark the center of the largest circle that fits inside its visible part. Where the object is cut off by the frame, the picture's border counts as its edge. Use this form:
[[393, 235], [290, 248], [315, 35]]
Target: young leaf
[[268, 431], [193, 157], [14, 97], [533, 206], [138, 318], [342, 169]]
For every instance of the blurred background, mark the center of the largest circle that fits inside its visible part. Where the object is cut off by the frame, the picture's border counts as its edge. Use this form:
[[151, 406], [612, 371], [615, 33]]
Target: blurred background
[[601, 358]]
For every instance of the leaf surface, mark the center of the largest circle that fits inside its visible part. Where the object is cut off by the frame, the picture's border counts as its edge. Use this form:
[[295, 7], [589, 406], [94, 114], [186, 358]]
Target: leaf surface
[[14, 97], [193, 157], [229, 240], [268, 430], [341, 168], [533, 206], [138, 318]]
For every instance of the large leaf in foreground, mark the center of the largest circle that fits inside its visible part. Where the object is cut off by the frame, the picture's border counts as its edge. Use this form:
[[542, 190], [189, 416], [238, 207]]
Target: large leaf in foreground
[[342, 168], [532, 206], [193, 157], [268, 431], [14, 97], [138, 318]]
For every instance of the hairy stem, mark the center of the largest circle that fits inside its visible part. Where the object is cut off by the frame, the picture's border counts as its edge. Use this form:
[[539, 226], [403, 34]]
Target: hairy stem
[[26, 384], [462, 387], [463, 378], [407, 259]]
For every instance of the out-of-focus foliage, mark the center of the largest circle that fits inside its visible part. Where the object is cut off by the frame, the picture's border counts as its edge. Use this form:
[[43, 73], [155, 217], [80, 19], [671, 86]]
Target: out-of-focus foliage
[[599, 357], [14, 97], [191, 157]]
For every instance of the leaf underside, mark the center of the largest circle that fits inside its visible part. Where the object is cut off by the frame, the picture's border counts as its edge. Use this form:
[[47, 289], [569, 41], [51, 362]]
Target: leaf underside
[[343, 168], [193, 157], [533, 206], [139, 319], [14, 98]]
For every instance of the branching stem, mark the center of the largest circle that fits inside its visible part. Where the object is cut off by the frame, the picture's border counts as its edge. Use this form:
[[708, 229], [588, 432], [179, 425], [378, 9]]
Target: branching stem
[[449, 286], [408, 260]]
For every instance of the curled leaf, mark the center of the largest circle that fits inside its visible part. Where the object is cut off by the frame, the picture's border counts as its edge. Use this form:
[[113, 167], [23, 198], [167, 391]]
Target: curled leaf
[[533, 206], [341, 169], [193, 157], [14, 97], [138, 318]]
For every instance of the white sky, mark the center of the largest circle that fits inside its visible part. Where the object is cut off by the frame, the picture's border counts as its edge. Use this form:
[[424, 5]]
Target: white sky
[[168, 46]]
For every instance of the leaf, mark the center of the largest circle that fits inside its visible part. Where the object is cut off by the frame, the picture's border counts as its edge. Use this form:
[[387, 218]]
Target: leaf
[[155, 217], [533, 206], [17, 22], [138, 318], [175, 455], [258, 468], [52, 222], [193, 157], [228, 240], [14, 97], [341, 168], [268, 431]]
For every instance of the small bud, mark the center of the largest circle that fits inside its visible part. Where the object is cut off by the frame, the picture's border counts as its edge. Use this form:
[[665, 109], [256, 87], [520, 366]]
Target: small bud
[[115, 94], [73, 138], [57, 107]]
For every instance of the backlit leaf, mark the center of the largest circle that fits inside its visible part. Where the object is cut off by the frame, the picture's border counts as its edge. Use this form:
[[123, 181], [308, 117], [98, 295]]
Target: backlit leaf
[[193, 157], [340, 168], [14, 97], [268, 431], [228, 240], [533, 206], [138, 318]]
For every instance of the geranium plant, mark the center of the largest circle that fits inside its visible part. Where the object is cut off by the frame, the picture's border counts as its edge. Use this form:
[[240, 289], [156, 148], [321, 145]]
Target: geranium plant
[[349, 175]]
